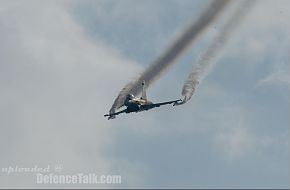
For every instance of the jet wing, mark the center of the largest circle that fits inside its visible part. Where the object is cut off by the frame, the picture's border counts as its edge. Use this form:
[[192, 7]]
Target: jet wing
[[150, 106], [113, 115]]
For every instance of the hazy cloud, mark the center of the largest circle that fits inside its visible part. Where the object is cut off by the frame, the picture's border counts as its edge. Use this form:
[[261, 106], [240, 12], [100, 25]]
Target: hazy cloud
[[57, 83], [52, 91]]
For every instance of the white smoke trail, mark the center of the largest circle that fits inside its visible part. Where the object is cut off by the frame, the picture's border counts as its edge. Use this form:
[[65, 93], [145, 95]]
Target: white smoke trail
[[167, 59], [201, 69]]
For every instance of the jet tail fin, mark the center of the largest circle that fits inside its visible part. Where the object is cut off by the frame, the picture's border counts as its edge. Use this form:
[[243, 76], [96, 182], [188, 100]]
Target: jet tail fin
[[143, 96]]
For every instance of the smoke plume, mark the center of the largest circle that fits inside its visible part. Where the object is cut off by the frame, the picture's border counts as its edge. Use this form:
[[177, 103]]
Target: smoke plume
[[209, 58], [157, 68]]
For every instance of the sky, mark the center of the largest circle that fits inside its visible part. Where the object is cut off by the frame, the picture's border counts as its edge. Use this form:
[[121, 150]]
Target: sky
[[62, 64]]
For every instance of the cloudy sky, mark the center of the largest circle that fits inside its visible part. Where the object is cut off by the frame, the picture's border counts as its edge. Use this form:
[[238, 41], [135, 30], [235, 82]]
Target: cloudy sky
[[62, 63]]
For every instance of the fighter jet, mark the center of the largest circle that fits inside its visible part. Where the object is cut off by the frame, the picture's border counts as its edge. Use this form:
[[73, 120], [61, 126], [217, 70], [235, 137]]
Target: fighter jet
[[135, 104]]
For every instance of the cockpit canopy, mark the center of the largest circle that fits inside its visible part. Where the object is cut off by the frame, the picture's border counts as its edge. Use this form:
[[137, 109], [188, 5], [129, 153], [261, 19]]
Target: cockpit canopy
[[130, 96]]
